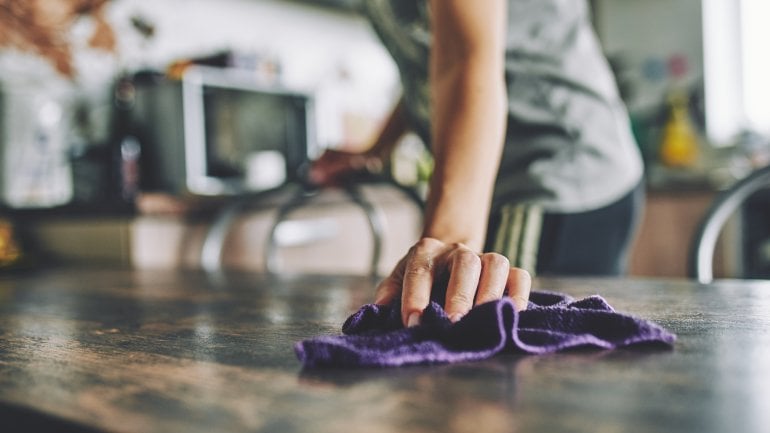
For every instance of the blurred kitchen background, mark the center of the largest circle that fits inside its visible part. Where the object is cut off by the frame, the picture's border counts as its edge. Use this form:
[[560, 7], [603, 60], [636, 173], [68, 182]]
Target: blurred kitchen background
[[175, 133]]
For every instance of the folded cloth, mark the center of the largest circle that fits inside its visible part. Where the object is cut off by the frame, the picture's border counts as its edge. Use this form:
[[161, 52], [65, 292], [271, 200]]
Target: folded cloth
[[375, 337]]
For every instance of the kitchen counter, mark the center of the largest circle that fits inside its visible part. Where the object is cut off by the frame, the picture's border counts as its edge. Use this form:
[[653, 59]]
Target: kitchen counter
[[326, 233], [142, 351], [334, 236]]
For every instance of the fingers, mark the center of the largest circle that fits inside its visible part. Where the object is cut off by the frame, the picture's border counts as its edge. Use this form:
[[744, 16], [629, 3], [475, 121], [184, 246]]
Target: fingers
[[331, 166], [484, 277], [334, 167], [495, 269], [387, 291], [391, 286], [465, 272], [472, 279], [419, 274], [519, 284]]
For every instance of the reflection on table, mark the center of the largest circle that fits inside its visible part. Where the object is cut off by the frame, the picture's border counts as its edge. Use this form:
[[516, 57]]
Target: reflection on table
[[145, 351]]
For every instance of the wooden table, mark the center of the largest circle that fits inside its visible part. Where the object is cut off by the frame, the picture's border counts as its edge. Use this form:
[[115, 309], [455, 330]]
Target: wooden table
[[123, 351]]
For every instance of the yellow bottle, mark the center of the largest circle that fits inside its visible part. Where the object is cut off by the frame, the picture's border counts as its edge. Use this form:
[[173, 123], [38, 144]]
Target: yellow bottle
[[679, 146], [10, 253]]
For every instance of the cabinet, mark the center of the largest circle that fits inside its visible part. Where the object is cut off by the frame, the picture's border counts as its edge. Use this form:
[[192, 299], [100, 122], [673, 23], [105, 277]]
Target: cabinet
[[327, 235], [669, 223], [333, 236]]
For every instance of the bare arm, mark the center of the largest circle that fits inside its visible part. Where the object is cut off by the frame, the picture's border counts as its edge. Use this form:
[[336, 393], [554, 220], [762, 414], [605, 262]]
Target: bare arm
[[468, 125], [336, 167], [468, 116], [394, 128]]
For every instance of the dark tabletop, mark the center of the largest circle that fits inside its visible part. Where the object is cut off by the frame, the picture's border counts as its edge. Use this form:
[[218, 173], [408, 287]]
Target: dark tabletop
[[131, 351]]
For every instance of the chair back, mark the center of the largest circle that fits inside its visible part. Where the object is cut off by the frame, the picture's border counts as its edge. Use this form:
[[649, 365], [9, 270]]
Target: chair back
[[701, 252]]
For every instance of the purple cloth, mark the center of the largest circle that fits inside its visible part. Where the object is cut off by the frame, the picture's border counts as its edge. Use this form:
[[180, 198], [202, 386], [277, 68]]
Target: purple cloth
[[375, 337]]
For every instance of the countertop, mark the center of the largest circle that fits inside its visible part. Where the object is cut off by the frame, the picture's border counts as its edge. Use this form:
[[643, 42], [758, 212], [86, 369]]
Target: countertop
[[141, 351]]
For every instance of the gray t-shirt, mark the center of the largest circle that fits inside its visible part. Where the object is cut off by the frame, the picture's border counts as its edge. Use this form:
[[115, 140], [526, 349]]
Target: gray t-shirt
[[569, 145]]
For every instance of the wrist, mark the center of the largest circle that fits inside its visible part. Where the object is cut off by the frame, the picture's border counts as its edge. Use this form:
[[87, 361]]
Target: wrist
[[453, 215], [474, 243], [374, 165], [367, 162], [455, 227]]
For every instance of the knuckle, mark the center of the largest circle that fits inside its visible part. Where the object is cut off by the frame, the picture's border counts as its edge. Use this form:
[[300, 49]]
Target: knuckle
[[419, 268], [419, 264], [461, 299], [495, 260], [427, 244], [467, 259]]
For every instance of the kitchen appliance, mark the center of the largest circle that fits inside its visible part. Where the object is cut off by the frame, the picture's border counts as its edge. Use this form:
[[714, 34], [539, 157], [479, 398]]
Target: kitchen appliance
[[35, 125], [218, 131]]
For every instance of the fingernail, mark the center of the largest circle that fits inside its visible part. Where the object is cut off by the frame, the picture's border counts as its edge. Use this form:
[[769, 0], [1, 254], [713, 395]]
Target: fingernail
[[454, 318], [520, 303], [413, 320]]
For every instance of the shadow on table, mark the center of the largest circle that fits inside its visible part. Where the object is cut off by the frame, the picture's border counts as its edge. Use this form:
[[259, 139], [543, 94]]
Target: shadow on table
[[14, 418]]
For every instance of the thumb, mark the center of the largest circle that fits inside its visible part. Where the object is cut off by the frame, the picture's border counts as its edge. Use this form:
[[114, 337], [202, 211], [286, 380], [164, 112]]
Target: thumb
[[387, 291]]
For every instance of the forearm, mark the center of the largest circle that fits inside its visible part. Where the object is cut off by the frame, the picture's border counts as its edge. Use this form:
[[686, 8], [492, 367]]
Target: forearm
[[468, 101], [468, 126], [468, 133], [393, 129]]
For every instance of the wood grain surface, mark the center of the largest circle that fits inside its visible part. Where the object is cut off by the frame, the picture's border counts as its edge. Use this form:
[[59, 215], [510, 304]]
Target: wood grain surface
[[128, 351]]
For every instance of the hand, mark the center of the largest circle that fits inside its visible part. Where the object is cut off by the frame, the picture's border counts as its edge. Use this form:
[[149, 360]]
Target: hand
[[470, 278], [336, 167]]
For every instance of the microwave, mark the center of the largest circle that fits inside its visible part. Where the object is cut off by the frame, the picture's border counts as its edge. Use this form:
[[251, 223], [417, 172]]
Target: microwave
[[218, 131]]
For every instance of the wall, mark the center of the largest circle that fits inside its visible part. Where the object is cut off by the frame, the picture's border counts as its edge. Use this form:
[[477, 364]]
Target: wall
[[659, 42], [331, 53], [312, 44]]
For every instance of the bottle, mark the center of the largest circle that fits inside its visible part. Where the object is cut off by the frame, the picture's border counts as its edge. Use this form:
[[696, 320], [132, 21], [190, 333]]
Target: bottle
[[679, 146], [10, 252]]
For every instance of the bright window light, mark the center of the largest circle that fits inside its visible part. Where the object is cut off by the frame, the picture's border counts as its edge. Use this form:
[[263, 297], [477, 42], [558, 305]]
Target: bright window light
[[755, 15], [722, 70], [736, 67]]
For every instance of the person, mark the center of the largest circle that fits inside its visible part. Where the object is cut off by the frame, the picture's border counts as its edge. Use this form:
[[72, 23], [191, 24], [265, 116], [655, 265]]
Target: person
[[535, 166]]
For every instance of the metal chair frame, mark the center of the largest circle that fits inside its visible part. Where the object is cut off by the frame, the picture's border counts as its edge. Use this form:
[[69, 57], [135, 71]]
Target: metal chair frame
[[701, 252], [216, 236]]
